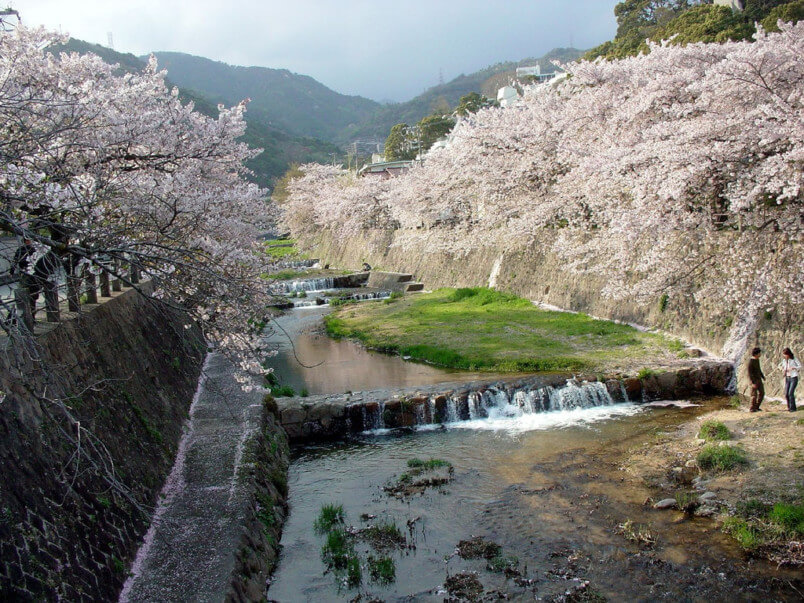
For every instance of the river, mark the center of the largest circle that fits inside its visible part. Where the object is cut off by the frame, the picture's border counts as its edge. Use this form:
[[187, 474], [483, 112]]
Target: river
[[547, 488]]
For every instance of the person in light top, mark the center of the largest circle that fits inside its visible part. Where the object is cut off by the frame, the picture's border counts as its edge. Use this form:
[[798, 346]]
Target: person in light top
[[790, 366]]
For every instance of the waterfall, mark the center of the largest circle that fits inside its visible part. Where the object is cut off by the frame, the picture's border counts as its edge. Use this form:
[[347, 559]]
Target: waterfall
[[311, 284], [501, 402]]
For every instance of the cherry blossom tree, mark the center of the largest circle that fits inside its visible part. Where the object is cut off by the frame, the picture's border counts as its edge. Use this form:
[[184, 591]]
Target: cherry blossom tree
[[113, 174], [675, 171]]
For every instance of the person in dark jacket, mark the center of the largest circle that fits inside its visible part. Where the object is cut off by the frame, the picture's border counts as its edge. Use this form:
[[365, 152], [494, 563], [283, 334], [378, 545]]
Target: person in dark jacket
[[756, 376]]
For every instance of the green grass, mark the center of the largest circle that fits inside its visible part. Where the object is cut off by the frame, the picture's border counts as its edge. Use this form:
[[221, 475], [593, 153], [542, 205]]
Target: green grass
[[338, 549], [644, 373], [712, 431], [283, 391], [381, 569], [282, 249], [788, 516], [486, 330], [721, 458], [330, 516], [744, 533]]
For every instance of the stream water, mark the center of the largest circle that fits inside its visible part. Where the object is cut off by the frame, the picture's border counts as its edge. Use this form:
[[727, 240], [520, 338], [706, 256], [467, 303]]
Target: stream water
[[309, 360], [546, 487]]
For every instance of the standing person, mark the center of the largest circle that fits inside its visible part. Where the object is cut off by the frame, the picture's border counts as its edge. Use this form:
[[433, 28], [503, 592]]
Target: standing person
[[756, 376], [790, 366]]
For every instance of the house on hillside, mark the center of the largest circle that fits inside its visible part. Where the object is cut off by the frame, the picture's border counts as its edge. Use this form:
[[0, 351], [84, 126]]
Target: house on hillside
[[534, 74], [386, 169], [735, 5]]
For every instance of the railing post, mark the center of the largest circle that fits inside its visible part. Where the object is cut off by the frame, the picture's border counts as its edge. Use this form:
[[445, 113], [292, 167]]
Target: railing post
[[104, 284], [117, 284], [51, 291], [92, 287], [24, 310], [73, 286]]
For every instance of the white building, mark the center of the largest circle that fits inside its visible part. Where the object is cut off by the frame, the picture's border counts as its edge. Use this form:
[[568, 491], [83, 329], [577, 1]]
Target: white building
[[507, 96], [534, 71], [734, 5]]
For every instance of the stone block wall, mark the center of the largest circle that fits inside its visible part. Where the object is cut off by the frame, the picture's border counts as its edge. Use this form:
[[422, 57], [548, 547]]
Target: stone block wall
[[88, 432], [258, 551]]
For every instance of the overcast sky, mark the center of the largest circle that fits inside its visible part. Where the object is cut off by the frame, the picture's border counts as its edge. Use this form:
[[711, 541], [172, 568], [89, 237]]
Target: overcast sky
[[381, 49]]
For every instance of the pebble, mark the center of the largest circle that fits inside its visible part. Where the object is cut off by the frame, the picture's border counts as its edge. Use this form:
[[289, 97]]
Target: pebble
[[666, 503], [691, 463], [707, 496]]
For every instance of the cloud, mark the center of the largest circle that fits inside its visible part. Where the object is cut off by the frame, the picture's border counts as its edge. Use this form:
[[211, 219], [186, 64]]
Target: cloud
[[375, 49]]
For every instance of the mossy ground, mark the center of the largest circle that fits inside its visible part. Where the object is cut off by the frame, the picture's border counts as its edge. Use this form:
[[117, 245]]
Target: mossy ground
[[485, 330]]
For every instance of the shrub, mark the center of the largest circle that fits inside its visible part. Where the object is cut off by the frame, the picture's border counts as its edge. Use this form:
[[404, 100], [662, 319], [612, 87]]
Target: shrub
[[721, 458], [713, 431]]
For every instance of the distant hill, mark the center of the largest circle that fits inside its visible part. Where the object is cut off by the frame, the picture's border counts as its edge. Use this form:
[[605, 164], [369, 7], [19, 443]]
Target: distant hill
[[296, 119], [486, 81], [281, 149], [297, 104]]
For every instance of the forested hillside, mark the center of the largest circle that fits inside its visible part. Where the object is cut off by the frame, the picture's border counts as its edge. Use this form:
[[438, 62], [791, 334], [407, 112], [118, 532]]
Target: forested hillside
[[281, 148], [295, 103]]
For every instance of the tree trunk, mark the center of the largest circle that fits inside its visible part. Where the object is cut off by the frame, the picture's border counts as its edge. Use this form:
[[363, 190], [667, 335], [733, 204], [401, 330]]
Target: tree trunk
[[24, 307], [117, 284]]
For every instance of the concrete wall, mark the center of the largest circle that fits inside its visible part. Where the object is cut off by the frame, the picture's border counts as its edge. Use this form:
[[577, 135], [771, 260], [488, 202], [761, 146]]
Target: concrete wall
[[126, 372], [535, 273]]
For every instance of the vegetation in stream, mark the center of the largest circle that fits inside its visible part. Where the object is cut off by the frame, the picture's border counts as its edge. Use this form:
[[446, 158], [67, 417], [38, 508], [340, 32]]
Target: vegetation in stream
[[421, 475], [636, 533], [341, 555], [488, 330], [329, 517]]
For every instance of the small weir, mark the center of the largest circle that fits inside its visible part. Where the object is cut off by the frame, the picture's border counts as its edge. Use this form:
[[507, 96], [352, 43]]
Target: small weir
[[494, 402]]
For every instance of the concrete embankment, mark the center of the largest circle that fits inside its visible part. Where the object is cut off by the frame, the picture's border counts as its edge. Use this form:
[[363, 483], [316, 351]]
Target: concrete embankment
[[215, 533], [332, 416]]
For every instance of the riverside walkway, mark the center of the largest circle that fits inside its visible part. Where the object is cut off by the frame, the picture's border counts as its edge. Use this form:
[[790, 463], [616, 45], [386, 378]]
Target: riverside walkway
[[189, 551]]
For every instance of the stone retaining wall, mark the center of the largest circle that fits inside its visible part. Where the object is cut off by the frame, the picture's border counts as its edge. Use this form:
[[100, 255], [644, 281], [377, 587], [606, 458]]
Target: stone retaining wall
[[333, 416], [126, 372]]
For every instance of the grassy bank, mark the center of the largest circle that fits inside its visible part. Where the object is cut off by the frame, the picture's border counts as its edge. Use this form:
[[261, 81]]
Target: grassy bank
[[483, 329]]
